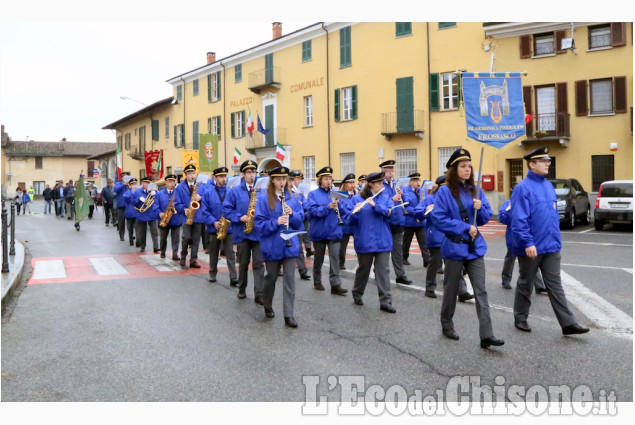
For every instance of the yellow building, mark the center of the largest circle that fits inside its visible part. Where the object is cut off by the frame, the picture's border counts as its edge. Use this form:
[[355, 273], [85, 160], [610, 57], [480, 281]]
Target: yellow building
[[350, 95]]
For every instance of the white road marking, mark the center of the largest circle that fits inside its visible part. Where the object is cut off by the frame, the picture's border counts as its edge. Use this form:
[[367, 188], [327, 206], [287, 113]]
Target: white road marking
[[601, 312], [161, 264], [628, 270], [599, 243], [49, 269], [106, 266], [585, 231]]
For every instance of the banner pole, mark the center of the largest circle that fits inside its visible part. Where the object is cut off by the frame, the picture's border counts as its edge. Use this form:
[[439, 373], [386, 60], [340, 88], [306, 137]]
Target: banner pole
[[478, 184]]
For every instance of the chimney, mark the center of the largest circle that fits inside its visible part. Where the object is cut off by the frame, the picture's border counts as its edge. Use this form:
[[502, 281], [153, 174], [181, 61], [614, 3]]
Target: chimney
[[277, 30], [63, 139], [211, 57]]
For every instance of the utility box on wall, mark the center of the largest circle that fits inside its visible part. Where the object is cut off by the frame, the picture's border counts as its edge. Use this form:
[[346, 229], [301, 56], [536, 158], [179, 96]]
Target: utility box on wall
[[488, 182]]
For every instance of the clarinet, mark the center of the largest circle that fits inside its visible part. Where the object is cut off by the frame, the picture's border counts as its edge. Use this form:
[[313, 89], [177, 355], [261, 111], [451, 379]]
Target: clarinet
[[284, 214], [337, 211]]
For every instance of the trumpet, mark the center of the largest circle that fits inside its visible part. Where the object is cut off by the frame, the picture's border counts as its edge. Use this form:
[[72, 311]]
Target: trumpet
[[284, 214]]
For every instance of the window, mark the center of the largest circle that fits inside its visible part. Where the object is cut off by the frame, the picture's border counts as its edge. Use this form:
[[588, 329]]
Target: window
[[216, 86], [38, 162], [167, 127], [142, 173], [238, 73], [308, 111], [179, 92], [450, 91], [608, 95], [38, 188], [347, 99], [179, 135], [601, 96], [119, 145], [444, 155], [446, 25], [309, 167], [168, 171], [552, 168], [347, 103], [238, 124], [403, 28], [127, 141], [599, 36], [155, 130], [345, 47], [306, 50], [602, 170], [142, 139], [406, 162], [546, 108], [216, 125], [544, 44], [195, 135], [195, 87], [347, 163]]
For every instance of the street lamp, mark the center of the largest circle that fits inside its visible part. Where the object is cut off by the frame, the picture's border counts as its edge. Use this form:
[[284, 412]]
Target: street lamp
[[127, 98]]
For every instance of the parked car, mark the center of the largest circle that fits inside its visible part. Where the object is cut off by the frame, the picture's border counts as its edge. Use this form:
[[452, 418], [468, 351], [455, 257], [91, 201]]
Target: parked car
[[614, 203], [573, 202]]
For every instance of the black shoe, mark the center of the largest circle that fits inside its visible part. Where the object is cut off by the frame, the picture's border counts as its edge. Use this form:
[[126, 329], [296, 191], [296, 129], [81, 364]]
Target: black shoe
[[176, 258], [77, 226], [542, 291], [388, 308], [318, 286], [338, 290], [142, 250], [425, 263], [309, 252], [157, 250], [269, 313], [106, 223], [241, 294], [233, 282], [305, 276], [131, 243], [207, 251], [451, 334], [342, 267], [212, 279], [358, 301], [182, 262], [574, 329], [258, 300], [121, 238], [195, 265], [163, 255], [522, 326], [430, 294], [406, 262], [440, 271], [290, 322], [404, 280], [507, 286], [492, 340], [280, 273], [465, 296]]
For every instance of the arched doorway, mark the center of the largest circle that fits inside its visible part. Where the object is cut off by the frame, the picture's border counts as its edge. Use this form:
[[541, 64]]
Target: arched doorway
[[268, 164]]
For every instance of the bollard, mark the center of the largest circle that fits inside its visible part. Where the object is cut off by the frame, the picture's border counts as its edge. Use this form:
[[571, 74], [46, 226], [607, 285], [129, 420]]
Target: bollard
[[12, 245], [5, 251]]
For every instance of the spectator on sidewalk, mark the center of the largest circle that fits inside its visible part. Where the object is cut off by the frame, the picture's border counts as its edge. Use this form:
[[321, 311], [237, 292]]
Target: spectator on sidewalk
[[48, 199], [61, 198], [92, 197], [108, 198], [69, 191], [18, 199]]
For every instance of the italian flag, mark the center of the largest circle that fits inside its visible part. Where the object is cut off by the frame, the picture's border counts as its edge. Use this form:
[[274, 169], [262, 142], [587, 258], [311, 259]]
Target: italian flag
[[250, 124], [159, 173], [280, 151], [237, 154], [118, 164]]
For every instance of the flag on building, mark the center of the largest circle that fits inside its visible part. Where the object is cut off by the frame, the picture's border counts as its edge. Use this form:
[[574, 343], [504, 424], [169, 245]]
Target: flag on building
[[250, 124], [237, 154], [260, 127], [81, 200], [280, 152], [118, 163]]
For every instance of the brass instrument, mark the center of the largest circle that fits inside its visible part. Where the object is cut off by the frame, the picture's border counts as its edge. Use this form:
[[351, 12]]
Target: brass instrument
[[284, 214], [337, 210], [251, 210], [194, 205], [146, 204], [224, 226], [168, 213]]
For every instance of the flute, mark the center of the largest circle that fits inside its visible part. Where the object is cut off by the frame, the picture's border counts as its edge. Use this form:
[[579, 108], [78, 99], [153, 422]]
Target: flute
[[358, 209]]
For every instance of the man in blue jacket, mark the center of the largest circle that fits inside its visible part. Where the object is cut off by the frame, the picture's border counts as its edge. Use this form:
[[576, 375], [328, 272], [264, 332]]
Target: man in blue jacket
[[174, 224], [144, 202], [123, 215], [412, 226], [191, 233], [536, 242], [346, 205], [325, 230]]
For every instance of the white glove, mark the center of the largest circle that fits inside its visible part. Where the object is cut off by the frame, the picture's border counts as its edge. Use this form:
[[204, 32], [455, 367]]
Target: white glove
[[142, 199], [153, 193]]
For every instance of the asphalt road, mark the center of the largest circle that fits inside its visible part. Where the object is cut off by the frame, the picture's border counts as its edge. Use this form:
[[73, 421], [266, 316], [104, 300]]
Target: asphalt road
[[173, 336]]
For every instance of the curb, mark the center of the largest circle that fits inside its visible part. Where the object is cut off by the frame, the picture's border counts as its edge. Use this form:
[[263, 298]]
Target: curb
[[15, 274]]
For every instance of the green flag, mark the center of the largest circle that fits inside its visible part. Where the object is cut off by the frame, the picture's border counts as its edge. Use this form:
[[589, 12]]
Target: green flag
[[81, 201], [208, 152]]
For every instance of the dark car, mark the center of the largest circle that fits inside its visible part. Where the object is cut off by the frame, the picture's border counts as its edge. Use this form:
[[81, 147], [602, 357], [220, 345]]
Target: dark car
[[573, 202]]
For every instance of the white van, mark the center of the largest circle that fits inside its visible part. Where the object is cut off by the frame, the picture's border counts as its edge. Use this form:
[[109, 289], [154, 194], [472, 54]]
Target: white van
[[614, 203]]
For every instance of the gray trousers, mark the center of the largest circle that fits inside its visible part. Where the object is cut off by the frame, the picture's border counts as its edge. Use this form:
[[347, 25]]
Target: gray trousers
[[305, 238], [191, 238], [549, 264], [451, 281], [175, 236], [343, 245], [334, 261], [288, 284], [436, 262], [70, 209], [141, 227], [121, 221], [408, 234], [397, 253], [214, 251], [382, 276], [130, 223], [508, 269], [300, 262], [246, 249]]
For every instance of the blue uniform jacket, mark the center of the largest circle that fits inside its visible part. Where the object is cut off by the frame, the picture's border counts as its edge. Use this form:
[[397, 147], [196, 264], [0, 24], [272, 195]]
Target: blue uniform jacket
[[151, 213], [120, 189], [128, 198], [397, 217], [324, 223], [505, 217], [302, 199], [235, 206], [372, 228], [346, 206], [535, 220], [212, 207], [273, 247], [163, 199], [182, 200], [434, 238], [447, 219], [409, 195]]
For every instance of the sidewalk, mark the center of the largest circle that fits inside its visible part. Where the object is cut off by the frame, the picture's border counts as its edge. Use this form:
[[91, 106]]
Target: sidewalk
[[11, 279]]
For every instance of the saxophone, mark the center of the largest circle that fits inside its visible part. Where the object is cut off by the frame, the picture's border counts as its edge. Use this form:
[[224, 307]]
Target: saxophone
[[168, 213], [194, 205], [251, 210], [224, 226]]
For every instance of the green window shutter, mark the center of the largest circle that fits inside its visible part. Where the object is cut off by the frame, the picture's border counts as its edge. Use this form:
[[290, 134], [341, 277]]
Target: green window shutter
[[233, 114], [345, 46], [434, 92], [155, 129], [175, 141], [354, 102], [337, 105], [238, 73], [244, 123], [195, 135], [446, 24], [218, 84], [209, 88], [306, 50], [403, 28], [195, 87], [209, 126], [182, 135], [179, 93], [218, 122]]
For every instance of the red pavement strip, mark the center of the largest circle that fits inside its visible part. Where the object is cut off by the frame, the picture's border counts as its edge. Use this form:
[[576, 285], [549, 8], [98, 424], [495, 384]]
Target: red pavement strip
[[79, 269]]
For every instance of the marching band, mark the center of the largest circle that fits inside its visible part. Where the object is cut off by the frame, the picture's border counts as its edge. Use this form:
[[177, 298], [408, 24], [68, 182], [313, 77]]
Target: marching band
[[269, 224]]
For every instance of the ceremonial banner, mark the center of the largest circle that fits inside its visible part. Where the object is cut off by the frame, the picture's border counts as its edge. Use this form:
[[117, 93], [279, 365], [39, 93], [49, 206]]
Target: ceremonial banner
[[81, 201], [190, 157], [154, 164], [494, 109], [208, 153]]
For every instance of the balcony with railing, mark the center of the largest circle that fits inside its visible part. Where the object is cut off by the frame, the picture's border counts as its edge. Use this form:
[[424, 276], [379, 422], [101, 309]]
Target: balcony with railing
[[136, 153], [259, 140], [554, 126], [264, 78], [402, 122]]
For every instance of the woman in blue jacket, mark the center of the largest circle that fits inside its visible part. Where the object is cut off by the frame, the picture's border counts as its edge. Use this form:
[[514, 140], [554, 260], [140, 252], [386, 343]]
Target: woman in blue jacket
[[346, 206], [455, 205], [373, 241], [272, 219]]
